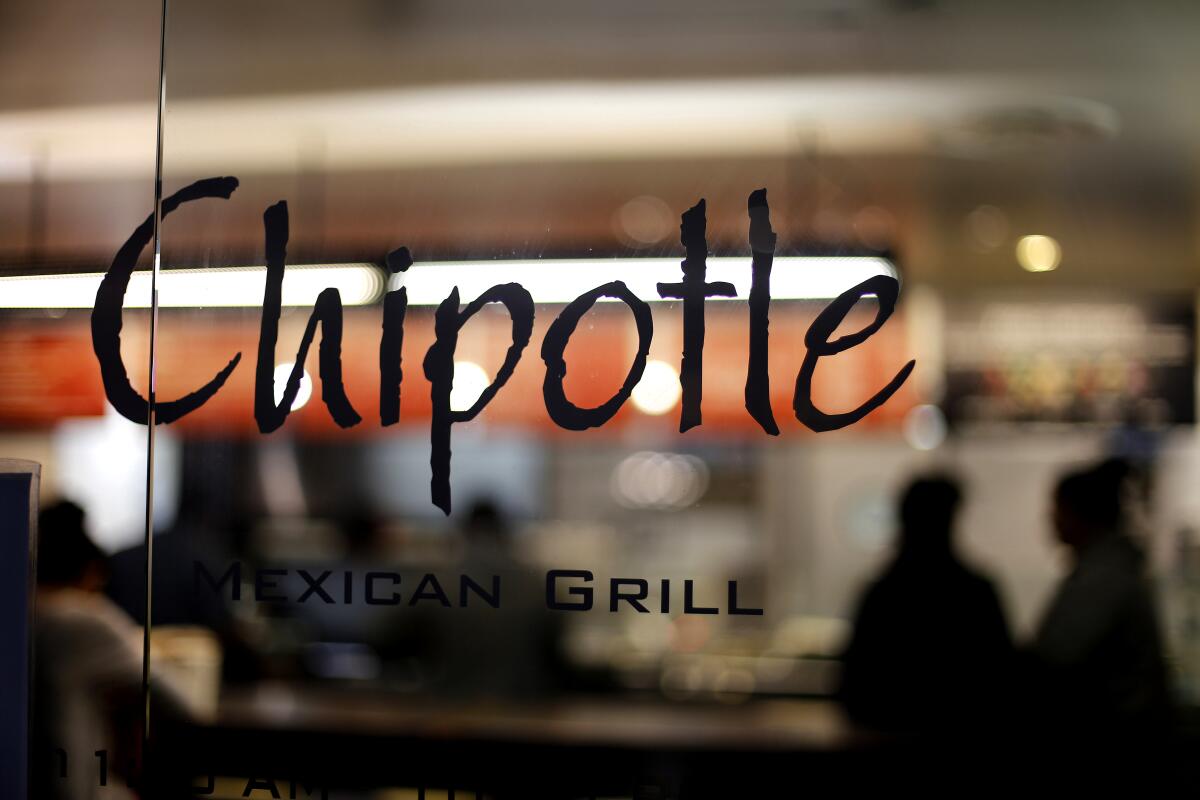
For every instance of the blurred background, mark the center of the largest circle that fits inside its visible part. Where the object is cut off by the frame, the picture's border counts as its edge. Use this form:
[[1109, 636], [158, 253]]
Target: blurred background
[[1029, 171]]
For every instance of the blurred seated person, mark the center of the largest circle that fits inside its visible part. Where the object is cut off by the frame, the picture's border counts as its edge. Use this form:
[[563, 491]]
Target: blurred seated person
[[510, 652], [88, 667], [930, 644], [1098, 656], [180, 599]]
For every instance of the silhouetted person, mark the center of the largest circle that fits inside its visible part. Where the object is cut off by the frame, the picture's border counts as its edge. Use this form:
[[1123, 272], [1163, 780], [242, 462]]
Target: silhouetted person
[[1098, 656], [930, 649], [88, 666], [506, 652], [180, 598]]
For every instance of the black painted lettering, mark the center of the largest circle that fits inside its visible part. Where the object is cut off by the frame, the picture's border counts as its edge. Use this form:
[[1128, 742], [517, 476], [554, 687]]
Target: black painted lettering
[[233, 575], [395, 304], [693, 290], [263, 582], [736, 610], [327, 311], [254, 784], [689, 607], [102, 756], [642, 591], [466, 584], [762, 249], [314, 585], [374, 600], [295, 785], [565, 413], [886, 289], [429, 589], [439, 370], [107, 320], [583, 593]]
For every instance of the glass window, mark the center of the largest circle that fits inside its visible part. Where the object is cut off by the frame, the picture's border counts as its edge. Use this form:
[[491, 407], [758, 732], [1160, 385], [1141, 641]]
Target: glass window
[[625, 399]]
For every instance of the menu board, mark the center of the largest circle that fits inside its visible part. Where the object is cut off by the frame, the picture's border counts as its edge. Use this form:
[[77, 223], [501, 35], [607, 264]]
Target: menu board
[[1084, 362]]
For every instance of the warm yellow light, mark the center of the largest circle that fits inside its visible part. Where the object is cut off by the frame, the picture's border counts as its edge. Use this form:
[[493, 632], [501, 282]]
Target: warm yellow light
[[658, 391], [1037, 253], [470, 380], [282, 373]]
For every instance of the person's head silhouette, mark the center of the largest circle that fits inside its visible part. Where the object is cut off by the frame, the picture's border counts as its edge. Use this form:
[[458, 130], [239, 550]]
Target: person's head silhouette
[[927, 510], [1089, 503], [67, 557], [486, 523]]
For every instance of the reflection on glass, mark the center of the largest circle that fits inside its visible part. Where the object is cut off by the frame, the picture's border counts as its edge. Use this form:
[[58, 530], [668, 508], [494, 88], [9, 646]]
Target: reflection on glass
[[584, 621]]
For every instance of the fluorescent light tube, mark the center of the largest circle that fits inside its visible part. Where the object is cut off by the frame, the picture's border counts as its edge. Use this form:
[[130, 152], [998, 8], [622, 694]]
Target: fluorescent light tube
[[429, 283], [227, 287], [562, 280]]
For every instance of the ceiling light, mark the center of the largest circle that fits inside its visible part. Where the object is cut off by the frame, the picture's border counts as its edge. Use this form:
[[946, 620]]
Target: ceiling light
[[1037, 253], [469, 381], [303, 394], [562, 280], [228, 287], [429, 283], [658, 391]]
